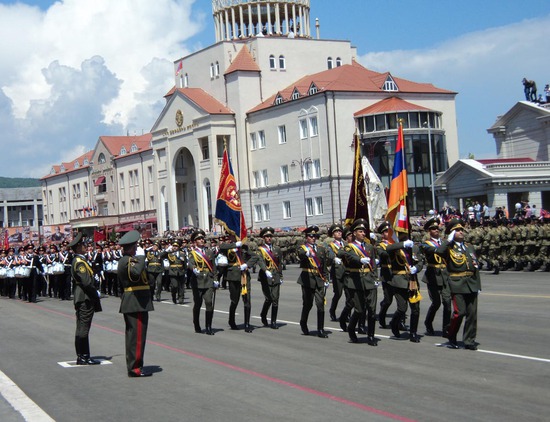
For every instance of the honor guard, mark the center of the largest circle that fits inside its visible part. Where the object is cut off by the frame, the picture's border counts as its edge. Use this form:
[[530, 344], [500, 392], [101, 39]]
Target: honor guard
[[270, 275], [176, 272], [337, 269], [385, 272]]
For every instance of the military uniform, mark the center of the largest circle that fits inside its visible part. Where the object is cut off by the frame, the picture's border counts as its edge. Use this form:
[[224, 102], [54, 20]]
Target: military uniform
[[385, 274], [270, 276], [136, 303], [337, 269], [155, 270], [313, 279], [176, 272]]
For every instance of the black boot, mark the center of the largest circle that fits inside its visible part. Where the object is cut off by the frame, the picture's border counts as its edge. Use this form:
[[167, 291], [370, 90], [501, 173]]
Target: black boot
[[361, 326], [86, 360], [321, 324], [232, 309], [196, 320], [263, 314], [413, 337], [343, 318], [382, 315], [303, 322], [209, 317], [247, 326], [395, 321], [351, 327], [274, 311]]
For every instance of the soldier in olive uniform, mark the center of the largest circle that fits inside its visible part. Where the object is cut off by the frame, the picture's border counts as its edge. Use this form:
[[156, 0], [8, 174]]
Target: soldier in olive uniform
[[359, 258], [176, 272], [465, 283], [436, 278], [203, 280], [270, 275], [313, 279], [155, 270], [337, 268], [86, 301], [385, 272], [136, 301]]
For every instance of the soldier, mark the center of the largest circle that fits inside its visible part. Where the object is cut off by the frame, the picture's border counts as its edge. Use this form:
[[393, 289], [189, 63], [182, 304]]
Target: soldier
[[436, 278], [270, 275], [465, 283], [359, 258], [203, 281], [154, 270], [86, 301], [176, 272], [238, 278], [313, 279], [385, 272], [337, 268], [136, 301]]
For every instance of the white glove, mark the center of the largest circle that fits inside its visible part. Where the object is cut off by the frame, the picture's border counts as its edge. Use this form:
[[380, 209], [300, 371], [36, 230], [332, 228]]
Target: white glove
[[238, 244], [308, 254], [414, 270], [244, 267], [140, 251], [408, 243], [216, 284], [98, 293], [196, 271], [327, 284], [281, 282], [365, 261], [451, 236], [377, 261], [268, 274], [337, 261], [372, 236]]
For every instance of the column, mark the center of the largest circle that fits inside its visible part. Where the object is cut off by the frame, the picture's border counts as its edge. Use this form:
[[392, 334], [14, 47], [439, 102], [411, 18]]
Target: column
[[233, 24], [278, 29], [227, 33], [242, 27], [250, 24], [269, 27], [294, 27], [259, 18], [286, 19]]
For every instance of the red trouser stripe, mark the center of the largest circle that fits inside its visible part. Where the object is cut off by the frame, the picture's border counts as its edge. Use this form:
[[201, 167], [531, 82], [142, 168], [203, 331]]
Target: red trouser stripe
[[139, 336]]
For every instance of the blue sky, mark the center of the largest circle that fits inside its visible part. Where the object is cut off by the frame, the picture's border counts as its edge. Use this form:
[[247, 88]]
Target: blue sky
[[77, 69]]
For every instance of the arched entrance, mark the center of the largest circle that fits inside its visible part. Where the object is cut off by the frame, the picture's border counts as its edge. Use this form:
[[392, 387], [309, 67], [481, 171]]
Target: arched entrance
[[186, 190]]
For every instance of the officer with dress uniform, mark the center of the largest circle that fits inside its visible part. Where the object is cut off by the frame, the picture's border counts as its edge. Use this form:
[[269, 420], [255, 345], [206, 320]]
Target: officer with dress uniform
[[238, 279], [436, 277], [359, 258], [203, 281], [314, 279], [176, 272], [270, 275], [465, 283], [385, 272], [337, 268], [136, 301], [86, 301], [155, 270]]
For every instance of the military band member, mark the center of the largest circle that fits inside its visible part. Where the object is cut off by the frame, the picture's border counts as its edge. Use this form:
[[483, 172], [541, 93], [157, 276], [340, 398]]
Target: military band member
[[136, 301], [176, 272], [337, 268], [314, 279], [155, 270], [465, 283], [86, 301], [270, 276], [359, 258], [64, 280], [436, 277], [203, 281]]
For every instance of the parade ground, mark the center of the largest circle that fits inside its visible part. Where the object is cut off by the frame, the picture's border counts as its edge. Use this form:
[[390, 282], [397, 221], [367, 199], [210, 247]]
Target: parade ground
[[279, 375]]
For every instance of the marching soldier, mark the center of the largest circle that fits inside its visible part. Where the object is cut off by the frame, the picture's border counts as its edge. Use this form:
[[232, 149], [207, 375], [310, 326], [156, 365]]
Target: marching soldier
[[136, 301], [203, 281], [436, 278], [155, 270], [337, 268], [385, 272], [270, 275], [313, 279], [465, 283], [176, 272], [86, 301]]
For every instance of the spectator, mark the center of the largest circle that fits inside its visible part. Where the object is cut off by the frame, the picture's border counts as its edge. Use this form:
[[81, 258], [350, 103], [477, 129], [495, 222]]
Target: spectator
[[547, 92]]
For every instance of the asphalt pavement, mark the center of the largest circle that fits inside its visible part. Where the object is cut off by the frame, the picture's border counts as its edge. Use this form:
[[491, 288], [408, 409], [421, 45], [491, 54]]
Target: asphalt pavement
[[280, 375]]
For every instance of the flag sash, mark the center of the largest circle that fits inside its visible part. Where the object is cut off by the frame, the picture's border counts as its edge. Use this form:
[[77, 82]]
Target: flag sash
[[198, 255]]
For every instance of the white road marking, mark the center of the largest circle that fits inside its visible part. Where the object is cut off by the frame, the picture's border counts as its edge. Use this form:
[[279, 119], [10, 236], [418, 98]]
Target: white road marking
[[72, 363]]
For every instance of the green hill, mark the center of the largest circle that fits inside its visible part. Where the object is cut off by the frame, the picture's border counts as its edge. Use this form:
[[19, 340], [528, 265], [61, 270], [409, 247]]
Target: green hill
[[18, 182]]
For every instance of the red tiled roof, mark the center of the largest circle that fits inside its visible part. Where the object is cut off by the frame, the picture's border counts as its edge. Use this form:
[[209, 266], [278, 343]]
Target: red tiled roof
[[391, 104], [115, 143], [201, 98], [505, 160], [69, 166], [350, 78], [243, 62]]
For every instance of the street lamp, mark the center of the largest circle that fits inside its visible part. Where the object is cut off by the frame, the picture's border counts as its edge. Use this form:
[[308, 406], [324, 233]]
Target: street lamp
[[302, 163], [431, 162]]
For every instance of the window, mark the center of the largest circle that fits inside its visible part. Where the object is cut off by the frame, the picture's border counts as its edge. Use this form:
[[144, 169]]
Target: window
[[123, 206], [186, 81], [150, 174], [282, 134], [212, 70], [131, 175], [303, 129], [282, 63], [284, 174], [217, 70], [313, 89], [316, 168], [257, 213], [286, 210], [136, 178], [319, 205], [279, 99], [121, 178], [261, 139], [309, 206], [338, 62], [313, 128], [272, 62], [152, 202], [263, 178], [132, 205], [295, 94], [123, 150], [308, 170], [390, 85], [256, 177], [101, 158], [330, 64], [204, 149], [253, 142], [138, 205], [133, 148], [265, 212], [85, 188]]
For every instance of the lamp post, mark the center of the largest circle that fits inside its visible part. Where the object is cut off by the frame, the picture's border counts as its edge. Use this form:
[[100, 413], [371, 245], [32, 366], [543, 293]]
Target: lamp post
[[302, 162], [431, 162]]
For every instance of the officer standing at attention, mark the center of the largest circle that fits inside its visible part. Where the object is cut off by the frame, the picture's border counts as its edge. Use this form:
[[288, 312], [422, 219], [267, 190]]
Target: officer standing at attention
[[465, 283], [270, 275], [86, 301], [136, 301], [313, 279], [436, 277]]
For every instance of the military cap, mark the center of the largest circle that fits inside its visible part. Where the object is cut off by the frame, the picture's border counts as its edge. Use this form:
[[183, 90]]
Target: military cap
[[175, 243], [197, 234], [360, 224], [334, 228], [311, 231], [431, 223], [383, 227], [77, 239], [267, 231], [347, 232], [129, 238], [11, 248], [455, 223]]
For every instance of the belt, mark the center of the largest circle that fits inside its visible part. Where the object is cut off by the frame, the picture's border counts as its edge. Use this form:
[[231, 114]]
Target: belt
[[437, 265], [310, 270], [358, 270], [176, 265], [136, 288], [462, 274], [154, 263], [401, 272]]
